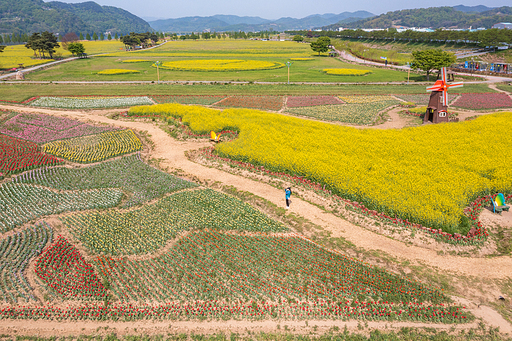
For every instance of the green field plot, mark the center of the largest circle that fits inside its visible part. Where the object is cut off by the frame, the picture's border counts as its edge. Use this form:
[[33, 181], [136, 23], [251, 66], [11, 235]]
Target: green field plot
[[147, 229], [16, 251], [141, 182]]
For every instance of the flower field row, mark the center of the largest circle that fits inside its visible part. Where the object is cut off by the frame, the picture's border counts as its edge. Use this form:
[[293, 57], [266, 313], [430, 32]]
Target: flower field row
[[483, 101], [310, 101], [40, 128], [364, 113], [117, 72], [187, 99], [15, 252], [96, 147], [17, 156], [252, 310], [392, 171], [298, 59], [254, 102], [209, 65], [147, 229], [361, 99], [37, 202], [129, 173], [346, 72], [211, 266], [65, 272], [90, 103]]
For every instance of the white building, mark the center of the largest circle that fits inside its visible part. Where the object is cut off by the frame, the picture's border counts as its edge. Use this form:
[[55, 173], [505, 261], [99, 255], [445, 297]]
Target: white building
[[503, 25]]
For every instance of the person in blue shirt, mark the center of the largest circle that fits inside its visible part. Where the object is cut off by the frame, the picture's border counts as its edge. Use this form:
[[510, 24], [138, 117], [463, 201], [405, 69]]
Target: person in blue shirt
[[288, 194]]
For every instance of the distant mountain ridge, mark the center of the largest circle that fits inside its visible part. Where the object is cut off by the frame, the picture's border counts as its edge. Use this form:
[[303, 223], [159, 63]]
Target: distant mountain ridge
[[223, 23], [28, 16], [434, 17]]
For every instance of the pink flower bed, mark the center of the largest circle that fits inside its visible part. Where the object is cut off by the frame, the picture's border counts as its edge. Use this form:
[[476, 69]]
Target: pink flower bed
[[483, 101], [309, 101], [43, 128]]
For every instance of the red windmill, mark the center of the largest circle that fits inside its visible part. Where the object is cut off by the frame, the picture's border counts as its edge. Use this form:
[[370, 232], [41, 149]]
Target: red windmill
[[437, 110]]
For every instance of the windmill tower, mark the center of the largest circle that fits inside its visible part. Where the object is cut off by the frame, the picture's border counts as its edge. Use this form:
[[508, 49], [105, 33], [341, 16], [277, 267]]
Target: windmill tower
[[437, 109]]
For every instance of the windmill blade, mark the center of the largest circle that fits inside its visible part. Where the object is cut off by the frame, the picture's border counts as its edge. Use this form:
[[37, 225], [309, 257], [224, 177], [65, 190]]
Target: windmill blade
[[443, 74], [456, 85], [445, 98]]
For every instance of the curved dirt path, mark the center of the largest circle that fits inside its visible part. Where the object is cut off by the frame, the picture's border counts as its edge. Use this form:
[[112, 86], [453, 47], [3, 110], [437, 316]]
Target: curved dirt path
[[172, 153]]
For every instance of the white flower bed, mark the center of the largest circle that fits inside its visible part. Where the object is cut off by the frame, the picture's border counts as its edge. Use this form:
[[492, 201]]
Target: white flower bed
[[90, 102]]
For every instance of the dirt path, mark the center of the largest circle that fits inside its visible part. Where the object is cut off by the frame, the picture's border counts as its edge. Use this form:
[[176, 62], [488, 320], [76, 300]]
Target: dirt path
[[172, 154]]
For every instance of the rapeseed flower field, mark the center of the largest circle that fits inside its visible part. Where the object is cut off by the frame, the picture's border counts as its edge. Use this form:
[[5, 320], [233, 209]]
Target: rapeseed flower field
[[424, 174]]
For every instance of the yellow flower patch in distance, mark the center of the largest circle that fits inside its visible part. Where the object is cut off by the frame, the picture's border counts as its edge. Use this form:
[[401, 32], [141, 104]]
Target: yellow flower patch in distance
[[426, 174], [346, 72], [220, 65], [117, 72], [301, 59]]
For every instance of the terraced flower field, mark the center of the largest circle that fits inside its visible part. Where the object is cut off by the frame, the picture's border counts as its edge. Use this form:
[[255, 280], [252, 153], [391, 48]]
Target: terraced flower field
[[17, 155], [39, 128], [130, 174], [216, 267], [91, 102], [200, 100], [96, 147], [483, 101], [16, 251], [147, 229], [21, 203], [274, 103]]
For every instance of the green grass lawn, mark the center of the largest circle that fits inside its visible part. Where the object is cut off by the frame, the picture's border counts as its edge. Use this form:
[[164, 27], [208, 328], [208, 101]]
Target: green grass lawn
[[300, 71], [20, 92]]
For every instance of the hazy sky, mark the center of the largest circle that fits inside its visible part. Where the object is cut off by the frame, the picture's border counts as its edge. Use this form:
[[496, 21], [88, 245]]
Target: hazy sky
[[274, 9]]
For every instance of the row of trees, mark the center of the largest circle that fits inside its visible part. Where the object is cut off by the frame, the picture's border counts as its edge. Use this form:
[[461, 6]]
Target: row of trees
[[491, 37], [139, 39]]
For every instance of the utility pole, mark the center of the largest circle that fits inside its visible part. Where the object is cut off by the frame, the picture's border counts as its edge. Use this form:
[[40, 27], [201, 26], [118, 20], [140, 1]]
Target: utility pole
[[289, 64]]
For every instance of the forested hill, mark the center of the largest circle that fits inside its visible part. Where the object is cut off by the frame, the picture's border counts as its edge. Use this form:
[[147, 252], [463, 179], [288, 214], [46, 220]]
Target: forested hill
[[434, 17], [28, 16]]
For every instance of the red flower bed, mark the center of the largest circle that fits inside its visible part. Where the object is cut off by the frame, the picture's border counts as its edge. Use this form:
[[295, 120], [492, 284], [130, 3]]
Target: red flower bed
[[483, 101], [309, 101], [274, 103], [66, 272], [18, 155]]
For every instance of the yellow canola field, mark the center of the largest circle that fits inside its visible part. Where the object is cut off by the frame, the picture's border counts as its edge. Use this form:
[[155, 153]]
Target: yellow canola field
[[17, 54], [346, 72], [220, 65], [426, 174], [116, 72]]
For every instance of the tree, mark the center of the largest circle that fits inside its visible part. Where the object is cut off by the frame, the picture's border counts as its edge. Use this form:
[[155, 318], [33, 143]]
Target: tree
[[68, 38], [76, 48], [109, 37], [490, 38], [2, 47], [321, 45], [88, 36], [298, 38], [94, 36], [81, 37], [42, 42], [433, 59], [116, 36], [102, 36]]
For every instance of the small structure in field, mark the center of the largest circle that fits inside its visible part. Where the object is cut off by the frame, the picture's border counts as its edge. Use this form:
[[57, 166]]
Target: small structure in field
[[437, 109]]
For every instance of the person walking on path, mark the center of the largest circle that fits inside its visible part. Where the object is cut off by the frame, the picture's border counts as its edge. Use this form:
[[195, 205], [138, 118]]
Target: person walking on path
[[288, 194]]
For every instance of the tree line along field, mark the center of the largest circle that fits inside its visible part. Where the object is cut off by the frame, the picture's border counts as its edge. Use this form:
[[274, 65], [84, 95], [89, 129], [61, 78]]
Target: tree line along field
[[226, 260]]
